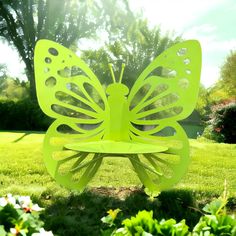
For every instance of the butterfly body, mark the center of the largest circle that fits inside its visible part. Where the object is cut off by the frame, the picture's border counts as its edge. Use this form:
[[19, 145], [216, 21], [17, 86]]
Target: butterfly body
[[139, 123], [118, 129]]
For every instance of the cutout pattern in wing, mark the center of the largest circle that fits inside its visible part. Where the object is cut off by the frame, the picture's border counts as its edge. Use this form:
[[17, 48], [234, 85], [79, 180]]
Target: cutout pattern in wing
[[69, 168], [67, 89], [167, 89], [165, 93]]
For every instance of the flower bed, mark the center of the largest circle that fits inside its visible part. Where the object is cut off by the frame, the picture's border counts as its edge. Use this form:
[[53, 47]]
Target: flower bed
[[20, 216]]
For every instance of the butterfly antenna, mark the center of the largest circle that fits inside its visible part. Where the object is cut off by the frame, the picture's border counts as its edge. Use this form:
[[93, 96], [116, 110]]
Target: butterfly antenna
[[121, 73], [112, 72]]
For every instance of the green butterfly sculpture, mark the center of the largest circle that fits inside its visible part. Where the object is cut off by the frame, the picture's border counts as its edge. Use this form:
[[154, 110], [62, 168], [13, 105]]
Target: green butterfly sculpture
[[139, 124]]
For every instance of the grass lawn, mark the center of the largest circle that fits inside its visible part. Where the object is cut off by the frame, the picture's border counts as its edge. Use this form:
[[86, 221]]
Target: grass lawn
[[22, 172]]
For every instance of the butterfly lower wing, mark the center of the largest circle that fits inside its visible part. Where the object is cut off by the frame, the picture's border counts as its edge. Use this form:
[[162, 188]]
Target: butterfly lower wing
[[160, 171], [69, 91], [164, 93], [72, 169]]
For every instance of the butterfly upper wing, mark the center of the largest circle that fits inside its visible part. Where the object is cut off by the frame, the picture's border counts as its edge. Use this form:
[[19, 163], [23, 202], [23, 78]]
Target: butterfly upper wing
[[70, 92], [64, 80], [163, 94], [178, 73]]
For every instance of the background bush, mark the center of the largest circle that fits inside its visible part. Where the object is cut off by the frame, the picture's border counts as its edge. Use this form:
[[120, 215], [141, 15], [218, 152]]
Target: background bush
[[222, 126], [22, 115]]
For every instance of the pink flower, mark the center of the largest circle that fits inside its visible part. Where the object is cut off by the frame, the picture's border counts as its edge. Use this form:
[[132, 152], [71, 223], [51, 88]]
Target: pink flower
[[218, 129]]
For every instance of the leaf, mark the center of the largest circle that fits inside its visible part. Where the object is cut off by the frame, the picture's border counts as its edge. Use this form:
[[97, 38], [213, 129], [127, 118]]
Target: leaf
[[215, 207], [2, 231]]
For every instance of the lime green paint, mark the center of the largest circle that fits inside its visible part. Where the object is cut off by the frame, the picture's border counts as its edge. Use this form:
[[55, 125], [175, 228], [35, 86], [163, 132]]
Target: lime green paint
[[118, 121], [118, 129], [116, 147]]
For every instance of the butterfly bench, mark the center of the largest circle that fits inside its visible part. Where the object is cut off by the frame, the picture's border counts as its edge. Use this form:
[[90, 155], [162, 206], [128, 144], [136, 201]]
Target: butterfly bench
[[94, 121]]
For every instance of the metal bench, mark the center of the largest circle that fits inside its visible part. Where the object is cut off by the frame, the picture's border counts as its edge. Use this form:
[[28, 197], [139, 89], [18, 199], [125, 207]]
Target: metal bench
[[138, 123]]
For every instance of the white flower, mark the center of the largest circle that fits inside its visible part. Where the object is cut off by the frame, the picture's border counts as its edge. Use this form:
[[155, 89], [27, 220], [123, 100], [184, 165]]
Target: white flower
[[3, 202], [36, 207], [14, 231], [24, 200], [11, 199], [42, 232], [17, 206]]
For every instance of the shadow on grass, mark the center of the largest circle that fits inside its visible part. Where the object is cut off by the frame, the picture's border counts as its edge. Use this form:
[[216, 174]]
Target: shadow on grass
[[81, 214], [20, 138]]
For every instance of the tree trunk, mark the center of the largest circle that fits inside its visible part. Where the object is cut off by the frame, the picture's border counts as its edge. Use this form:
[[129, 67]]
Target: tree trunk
[[31, 77]]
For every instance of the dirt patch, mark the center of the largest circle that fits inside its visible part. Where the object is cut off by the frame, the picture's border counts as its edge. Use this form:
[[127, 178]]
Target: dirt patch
[[120, 193]]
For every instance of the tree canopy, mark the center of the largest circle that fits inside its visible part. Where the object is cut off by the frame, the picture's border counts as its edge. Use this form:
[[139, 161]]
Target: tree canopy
[[228, 75], [137, 49], [129, 38], [22, 23]]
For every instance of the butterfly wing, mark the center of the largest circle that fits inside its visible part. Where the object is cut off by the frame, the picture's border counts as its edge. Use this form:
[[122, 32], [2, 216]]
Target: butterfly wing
[[165, 93], [68, 91]]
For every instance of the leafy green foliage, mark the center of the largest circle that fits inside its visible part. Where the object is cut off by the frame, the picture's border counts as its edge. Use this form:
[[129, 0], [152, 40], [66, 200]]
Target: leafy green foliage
[[203, 102], [22, 23], [228, 75], [223, 90], [13, 89], [19, 216], [144, 223], [137, 49], [222, 127], [215, 222], [22, 115]]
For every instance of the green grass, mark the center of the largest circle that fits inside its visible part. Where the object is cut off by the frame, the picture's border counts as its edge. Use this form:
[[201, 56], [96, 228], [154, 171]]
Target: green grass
[[22, 172]]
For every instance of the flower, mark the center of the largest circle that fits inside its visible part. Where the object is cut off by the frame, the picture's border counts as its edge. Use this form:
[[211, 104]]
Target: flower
[[42, 232], [18, 230], [3, 202], [27, 205], [218, 129], [24, 200], [23, 223], [9, 199], [113, 213], [14, 231]]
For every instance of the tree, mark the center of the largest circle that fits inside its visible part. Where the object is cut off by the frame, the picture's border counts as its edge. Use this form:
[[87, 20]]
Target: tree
[[228, 75], [137, 49], [13, 89], [24, 22], [203, 102], [3, 71], [140, 46]]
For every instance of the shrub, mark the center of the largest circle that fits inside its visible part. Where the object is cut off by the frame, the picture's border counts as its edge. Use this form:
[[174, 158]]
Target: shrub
[[22, 115], [222, 126], [215, 222]]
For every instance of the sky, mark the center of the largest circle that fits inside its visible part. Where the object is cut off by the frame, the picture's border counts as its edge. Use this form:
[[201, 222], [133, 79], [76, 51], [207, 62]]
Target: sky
[[211, 22]]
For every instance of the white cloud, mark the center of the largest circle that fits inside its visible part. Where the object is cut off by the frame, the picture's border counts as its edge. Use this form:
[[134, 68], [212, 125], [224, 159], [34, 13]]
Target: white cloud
[[224, 45], [208, 36], [180, 16], [173, 14]]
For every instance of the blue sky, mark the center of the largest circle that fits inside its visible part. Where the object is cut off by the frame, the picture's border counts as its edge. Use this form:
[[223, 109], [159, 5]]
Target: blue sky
[[211, 22]]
